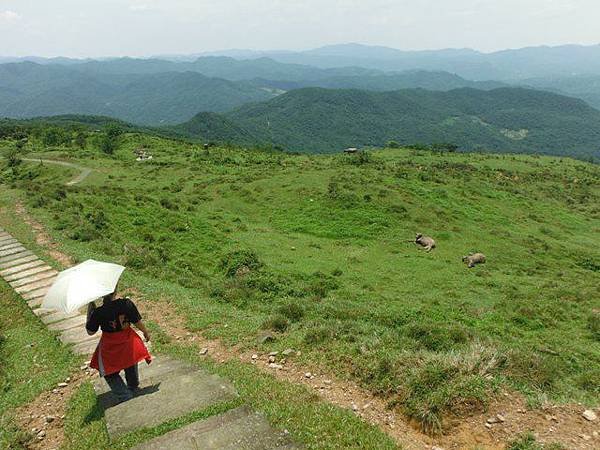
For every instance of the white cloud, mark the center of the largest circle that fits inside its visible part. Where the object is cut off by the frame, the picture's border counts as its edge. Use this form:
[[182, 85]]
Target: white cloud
[[9, 16]]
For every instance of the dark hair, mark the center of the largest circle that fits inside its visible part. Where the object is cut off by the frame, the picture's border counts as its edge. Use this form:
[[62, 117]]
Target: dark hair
[[109, 297]]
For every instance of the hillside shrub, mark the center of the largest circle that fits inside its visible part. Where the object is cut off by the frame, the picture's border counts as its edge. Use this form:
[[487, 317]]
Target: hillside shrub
[[276, 323], [13, 157], [594, 325], [168, 203], [292, 311], [438, 337], [317, 335], [238, 259]]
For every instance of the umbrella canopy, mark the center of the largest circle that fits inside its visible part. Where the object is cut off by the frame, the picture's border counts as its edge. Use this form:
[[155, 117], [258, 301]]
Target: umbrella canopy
[[82, 284]]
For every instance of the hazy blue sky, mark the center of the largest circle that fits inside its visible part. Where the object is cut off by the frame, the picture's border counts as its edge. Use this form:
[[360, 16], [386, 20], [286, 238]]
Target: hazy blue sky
[[146, 27]]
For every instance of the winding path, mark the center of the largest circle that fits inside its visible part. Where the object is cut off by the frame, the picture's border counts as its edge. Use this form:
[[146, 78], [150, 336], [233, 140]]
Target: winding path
[[83, 171]]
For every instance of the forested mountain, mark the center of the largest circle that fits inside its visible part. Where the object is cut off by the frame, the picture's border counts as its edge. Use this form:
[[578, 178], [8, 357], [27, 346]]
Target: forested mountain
[[29, 90], [586, 87], [505, 119], [434, 81]]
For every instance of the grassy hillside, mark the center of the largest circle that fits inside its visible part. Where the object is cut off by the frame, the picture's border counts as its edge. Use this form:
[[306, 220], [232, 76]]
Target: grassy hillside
[[315, 250], [31, 90], [507, 119]]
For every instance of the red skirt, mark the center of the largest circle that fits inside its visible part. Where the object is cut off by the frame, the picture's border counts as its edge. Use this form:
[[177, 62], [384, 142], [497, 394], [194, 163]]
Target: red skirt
[[119, 350]]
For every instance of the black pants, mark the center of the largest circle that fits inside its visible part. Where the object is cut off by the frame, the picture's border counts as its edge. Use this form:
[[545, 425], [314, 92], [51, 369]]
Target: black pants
[[117, 385]]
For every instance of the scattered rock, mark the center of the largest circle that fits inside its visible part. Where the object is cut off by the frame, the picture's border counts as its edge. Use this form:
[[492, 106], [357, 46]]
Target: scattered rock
[[308, 375], [436, 448], [275, 366], [488, 425], [83, 367], [41, 435], [255, 357], [55, 391], [354, 407], [203, 351], [500, 418], [50, 419], [327, 382], [287, 352], [273, 353], [271, 359], [590, 415], [585, 437], [62, 385]]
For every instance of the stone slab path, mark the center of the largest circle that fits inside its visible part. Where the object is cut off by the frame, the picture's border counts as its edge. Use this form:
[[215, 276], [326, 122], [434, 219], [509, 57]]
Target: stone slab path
[[169, 388]]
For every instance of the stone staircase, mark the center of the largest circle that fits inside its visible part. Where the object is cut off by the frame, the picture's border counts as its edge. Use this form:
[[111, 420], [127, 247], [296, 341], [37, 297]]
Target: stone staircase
[[169, 388]]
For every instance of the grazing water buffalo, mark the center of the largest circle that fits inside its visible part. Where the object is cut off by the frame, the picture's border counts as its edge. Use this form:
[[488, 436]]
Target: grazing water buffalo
[[473, 259], [425, 241]]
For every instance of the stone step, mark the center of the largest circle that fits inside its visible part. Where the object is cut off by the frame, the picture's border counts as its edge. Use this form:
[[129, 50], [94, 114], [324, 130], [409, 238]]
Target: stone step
[[238, 429], [12, 251], [57, 316], [18, 260], [76, 336], [35, 294], [7, 245], [7, 241], [26, 273], [36, 303], [51, 273], [21, 267], [168, 399], [46, 282], [85, 348], [41, 312], [9, 258], [74, 322], [160, 367]]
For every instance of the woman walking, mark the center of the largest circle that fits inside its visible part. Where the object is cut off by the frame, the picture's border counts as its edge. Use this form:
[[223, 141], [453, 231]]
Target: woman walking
[[120, 347]]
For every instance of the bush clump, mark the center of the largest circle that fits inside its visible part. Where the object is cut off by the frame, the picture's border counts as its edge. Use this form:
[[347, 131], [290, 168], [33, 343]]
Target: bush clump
[[239, 260], [292, 311], [277, 323]]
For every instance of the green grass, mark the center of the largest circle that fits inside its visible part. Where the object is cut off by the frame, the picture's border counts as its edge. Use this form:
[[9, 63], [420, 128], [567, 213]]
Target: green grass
[[31, 361], [322, 241], [527, 441]]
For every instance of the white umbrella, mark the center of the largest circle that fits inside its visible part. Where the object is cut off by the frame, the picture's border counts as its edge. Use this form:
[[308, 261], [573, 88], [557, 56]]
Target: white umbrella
[[82, 284]]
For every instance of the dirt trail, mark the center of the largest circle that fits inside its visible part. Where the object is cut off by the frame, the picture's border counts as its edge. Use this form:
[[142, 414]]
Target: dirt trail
[[83, 171], [550, 424]]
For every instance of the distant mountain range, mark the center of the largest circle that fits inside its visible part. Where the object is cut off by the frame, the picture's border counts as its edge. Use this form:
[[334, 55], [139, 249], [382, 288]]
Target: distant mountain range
[[322, 120], [517, 64], [327, 98], [155, 92], [30, 90]]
